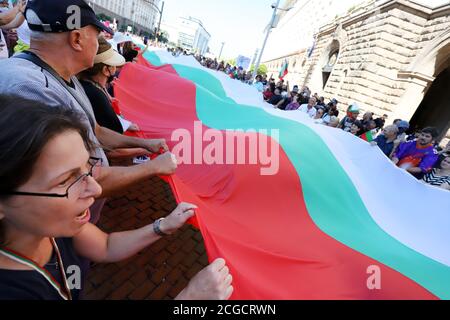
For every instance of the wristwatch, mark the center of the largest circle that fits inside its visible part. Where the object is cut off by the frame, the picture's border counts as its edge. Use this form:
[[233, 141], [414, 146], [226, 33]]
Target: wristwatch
[[157, 229]]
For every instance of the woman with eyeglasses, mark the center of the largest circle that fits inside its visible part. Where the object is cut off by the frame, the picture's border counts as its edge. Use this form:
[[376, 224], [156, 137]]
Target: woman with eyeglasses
[[47, 184]]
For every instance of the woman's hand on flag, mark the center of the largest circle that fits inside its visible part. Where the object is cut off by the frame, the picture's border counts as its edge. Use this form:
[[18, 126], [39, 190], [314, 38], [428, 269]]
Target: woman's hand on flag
[[212, 283], [155, 145], [178, 218], [164, 164]]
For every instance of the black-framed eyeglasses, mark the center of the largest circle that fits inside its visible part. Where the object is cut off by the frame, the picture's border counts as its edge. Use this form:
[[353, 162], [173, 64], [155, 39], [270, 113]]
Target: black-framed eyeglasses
[[94, 162]]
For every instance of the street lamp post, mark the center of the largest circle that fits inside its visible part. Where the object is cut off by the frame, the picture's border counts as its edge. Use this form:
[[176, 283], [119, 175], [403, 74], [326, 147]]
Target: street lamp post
[[160, 16], [221, 49], [275, 9], [133, 12], [272, 21], [160, 11]]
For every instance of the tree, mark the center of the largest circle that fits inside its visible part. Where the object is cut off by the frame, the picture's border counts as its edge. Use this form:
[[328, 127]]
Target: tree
[[104, 17], [261, 70], [163, 36], [232, 62]]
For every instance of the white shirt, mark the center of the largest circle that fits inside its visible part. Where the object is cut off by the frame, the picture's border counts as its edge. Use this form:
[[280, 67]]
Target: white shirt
[[311, 112], [319, 121], [326, 118], [3, 47], [24, 32], [125, 123]]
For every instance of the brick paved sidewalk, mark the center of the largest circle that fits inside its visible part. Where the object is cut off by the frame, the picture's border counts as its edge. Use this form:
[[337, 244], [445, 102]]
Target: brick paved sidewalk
[[158, 272]]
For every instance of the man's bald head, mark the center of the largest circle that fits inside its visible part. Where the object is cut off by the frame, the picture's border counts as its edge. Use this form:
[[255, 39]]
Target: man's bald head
[[78, 47]]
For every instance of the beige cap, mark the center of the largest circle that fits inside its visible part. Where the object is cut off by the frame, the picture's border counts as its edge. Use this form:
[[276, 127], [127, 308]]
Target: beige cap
[[110, 58]]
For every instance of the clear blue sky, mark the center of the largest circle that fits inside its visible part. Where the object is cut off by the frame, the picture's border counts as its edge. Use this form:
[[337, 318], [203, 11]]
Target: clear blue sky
[[238, 23]]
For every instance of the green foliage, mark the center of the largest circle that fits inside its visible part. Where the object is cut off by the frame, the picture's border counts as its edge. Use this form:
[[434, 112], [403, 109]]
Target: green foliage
[[231, 62], [163, 36], [261, 70], [104, 17]]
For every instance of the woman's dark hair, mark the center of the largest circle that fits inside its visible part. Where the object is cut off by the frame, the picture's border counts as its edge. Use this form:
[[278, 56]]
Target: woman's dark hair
[[272, 87], [128, 46], [334, 113], [129, 53], [379, 123], [438, 163], [27, 126], [360, 127]]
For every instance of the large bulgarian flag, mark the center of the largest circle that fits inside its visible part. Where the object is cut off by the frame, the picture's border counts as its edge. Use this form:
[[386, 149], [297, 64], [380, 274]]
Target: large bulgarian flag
[[338, 220]]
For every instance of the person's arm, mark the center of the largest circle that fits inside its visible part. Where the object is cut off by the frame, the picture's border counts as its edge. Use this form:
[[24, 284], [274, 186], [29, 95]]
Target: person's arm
[[145, 49], [114, 180], [445, 186], [428, 162], [15, 23], [399, 153], [279, 104], [126, 153], [415, 170], [212, 283], [100, 247], [113, 140], [374, 143], [8, 16], [394, 148]]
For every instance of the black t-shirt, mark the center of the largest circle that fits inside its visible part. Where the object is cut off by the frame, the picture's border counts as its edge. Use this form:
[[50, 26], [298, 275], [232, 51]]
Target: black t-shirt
[[103, 110], [31, 285], [285, 103], [275, 99], [303, 100]]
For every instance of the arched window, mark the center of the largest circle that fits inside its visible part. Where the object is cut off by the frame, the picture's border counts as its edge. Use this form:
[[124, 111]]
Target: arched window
[[331, 61]]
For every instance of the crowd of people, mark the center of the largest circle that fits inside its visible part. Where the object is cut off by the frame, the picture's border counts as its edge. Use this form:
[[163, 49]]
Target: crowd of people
[[417, 152], [61, 126], [60, 129], [233, 71]]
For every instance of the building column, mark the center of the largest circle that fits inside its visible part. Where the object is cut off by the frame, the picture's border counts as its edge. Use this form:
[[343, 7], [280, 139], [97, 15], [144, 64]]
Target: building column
[[417, 85]]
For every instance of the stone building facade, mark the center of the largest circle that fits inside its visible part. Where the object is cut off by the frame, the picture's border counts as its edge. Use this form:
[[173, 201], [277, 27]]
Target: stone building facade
[[143, 15], [391, 58]]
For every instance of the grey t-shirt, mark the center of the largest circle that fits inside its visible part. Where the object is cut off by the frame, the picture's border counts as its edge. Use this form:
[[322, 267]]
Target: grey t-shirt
[[22, 78]]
